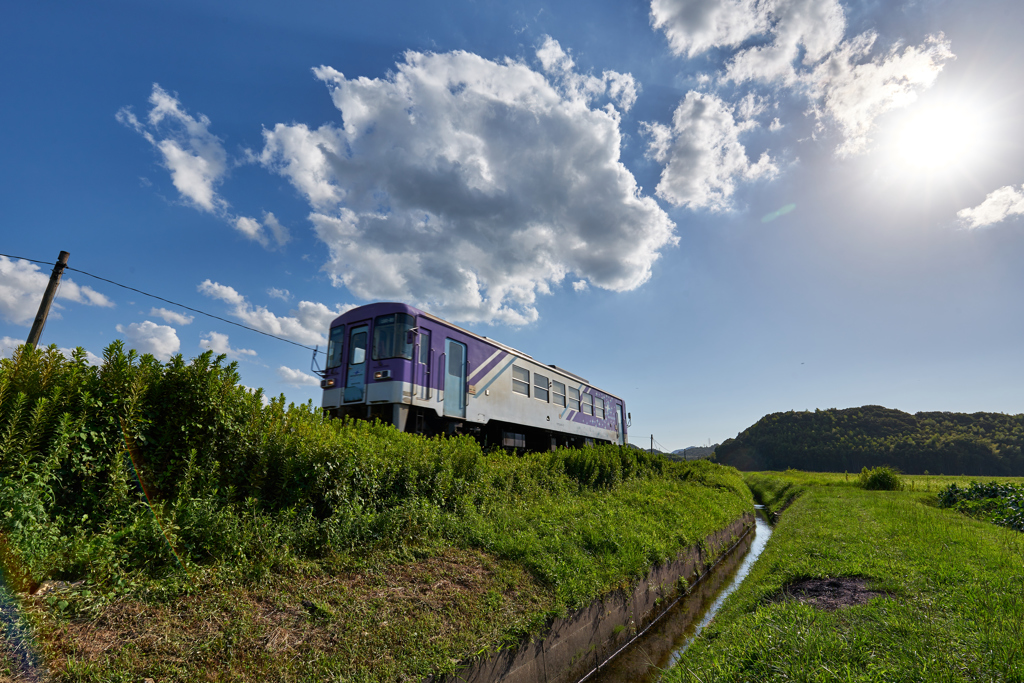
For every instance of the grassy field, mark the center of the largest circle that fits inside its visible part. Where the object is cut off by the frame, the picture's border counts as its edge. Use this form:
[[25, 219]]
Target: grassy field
[[950, 603], [162, 521]]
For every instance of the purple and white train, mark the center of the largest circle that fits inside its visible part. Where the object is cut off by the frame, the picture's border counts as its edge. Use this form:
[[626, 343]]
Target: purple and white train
[[423, 374]]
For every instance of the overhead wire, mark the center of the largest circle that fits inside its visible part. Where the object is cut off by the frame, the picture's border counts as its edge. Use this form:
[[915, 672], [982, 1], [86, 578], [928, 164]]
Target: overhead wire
[[173, 303]]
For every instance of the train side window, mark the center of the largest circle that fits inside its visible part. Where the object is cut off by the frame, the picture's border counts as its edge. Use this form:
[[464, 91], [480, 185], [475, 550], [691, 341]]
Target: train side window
[[520, 380], [540, 387], [558, 393], [334, 346], [574, 399], [513, 440], [588, 404], [599, 407]]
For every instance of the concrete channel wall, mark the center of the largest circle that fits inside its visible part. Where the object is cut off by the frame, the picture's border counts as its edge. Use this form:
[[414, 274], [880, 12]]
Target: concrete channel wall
[[577, 644]]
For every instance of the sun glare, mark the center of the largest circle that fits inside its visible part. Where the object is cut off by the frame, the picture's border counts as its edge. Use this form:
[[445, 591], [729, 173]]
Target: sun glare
[[939, 139]]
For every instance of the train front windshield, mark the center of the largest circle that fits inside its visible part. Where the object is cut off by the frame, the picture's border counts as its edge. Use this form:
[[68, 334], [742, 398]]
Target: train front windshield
[[391, 336]]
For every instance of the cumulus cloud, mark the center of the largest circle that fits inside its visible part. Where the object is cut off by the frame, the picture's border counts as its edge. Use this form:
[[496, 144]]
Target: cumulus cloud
[[282, 294], [148, 337], [197, 162], [693, 26], [998, 206], [800, 45], [469, 186], [172, 317], [218, 343], [8, 346], [269, 229], [854, 92], [580, 286], [307, 324], [194, 156], [21, 289], [702, 154], [296, 378]]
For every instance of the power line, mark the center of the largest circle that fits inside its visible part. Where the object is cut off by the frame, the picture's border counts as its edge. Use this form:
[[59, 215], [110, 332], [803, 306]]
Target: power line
[[173, 303]]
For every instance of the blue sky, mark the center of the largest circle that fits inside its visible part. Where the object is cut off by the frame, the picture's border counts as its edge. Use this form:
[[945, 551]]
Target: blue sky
[[716, 209]]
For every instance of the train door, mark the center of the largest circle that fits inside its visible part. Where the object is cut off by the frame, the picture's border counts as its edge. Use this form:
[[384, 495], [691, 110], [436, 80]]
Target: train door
[[620, 426], [355, 383], [455, 379]]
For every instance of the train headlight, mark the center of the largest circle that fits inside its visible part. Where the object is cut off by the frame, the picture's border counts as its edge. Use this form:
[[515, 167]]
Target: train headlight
[[326, 383], [382, 374]]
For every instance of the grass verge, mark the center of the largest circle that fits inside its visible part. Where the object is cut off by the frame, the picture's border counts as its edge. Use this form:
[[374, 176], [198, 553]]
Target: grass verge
[[951, 605]]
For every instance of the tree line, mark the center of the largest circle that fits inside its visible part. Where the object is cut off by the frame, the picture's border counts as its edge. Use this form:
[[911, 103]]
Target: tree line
[[847, 440]]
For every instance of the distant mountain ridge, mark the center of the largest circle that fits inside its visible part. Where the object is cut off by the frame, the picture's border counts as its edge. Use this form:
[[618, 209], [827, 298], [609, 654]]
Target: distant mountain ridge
[[833, 440], [693, 452]]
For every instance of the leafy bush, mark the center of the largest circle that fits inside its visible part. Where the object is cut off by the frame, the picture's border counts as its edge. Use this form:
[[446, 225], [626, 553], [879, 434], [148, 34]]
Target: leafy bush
[[881, 479], [1001, 504]]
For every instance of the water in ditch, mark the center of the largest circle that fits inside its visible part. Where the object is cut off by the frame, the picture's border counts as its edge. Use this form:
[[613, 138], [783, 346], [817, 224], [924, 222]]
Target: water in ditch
[[662, 645]]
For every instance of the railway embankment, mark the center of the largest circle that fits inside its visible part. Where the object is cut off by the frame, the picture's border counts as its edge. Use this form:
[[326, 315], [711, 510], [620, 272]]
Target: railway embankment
[[861, 584], [162, 521]]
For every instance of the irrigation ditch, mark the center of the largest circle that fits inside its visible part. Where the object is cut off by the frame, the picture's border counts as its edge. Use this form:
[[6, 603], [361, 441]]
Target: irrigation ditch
[[621, 636]]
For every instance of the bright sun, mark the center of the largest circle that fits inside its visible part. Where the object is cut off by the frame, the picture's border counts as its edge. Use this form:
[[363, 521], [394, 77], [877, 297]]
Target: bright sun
[[939, 139]]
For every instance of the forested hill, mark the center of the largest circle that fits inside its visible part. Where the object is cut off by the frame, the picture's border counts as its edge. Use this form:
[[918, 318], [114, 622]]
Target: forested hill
[[846, 440]]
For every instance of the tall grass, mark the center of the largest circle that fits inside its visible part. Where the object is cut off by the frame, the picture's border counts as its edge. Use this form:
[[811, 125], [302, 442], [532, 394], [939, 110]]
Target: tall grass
[[137, 468]]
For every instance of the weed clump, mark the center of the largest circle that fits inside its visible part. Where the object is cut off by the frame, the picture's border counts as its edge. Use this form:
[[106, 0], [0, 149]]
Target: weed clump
[[882, 478]]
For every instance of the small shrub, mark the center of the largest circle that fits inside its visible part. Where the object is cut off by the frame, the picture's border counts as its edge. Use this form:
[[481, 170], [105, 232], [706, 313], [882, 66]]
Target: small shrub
[[882, 478]]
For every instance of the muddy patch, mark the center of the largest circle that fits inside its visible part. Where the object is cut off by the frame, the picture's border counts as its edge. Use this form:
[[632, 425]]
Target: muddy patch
[[830, 594]]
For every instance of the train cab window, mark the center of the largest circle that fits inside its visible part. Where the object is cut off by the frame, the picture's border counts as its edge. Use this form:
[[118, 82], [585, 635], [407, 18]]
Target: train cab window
[[588, 404], [558, 394], [334, 346], [520, 380], [540, 387], [390, 336], [357, 348], [574, 399], [599, 407]]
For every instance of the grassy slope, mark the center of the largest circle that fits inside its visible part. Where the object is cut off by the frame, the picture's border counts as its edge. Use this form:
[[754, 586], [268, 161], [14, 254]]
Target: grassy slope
[[277, 545], [956, 611]]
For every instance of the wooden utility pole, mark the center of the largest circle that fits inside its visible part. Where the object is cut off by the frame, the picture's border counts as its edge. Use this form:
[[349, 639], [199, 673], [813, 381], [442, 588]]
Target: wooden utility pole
[[44, 305], [652, 443]]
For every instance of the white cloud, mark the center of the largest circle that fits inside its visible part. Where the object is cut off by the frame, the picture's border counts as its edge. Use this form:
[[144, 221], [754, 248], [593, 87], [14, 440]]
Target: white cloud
[[282, 294], [580, 286], [998, 206], [197, 162], [812, 28], [776, 125], [172, 317], [801, 46], [693, 26], [8, 346], [702, 154], [854, 94], [254, 230], [307, 324], [148, 337], [469, 186], [297, 378], [194, 156], [218, 343], [21, 289]]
